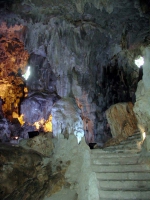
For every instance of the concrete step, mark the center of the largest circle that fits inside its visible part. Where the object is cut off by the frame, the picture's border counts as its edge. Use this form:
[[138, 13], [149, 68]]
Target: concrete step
[[115, 160], [138, 176], [120, 168], [128, 145], [97, 155], [135, 136], [124, 185], [132, 140], [125, 195], [108, 151]]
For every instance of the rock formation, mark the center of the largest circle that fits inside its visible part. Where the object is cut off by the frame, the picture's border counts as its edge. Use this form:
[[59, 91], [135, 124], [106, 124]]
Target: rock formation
[[28, 173], [74, 52], [81, 60], [122, 122], [141, 107]]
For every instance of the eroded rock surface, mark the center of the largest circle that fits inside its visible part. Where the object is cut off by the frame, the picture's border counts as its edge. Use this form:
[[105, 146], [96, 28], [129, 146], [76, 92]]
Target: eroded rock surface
[[26, 174], [81, 49], [122, 122], [141, 107], [41, 143], [13, 59], [66, 119], [37, 106]]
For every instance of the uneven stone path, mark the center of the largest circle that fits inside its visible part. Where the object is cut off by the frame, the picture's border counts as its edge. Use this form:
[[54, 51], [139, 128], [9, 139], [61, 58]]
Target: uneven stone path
[[120, 172]]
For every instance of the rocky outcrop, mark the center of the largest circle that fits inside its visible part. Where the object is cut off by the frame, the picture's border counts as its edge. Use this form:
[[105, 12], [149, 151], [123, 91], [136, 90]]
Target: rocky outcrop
[[66, 119], [12, 91], [37, 106], [23, 171], [41, 143], [122, 122], [141, 107], [13, 59], [13, 56]]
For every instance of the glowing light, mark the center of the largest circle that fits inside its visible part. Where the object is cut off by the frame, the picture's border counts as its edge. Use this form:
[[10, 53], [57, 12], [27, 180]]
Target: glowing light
[[16, 138], [20, 118], [27, 74], [46, 125], [139, 61], [25, 91], [143, 135], [39, 124]]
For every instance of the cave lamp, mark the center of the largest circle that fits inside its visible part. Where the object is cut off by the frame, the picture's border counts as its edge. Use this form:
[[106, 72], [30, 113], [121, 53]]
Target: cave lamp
[[139, 61]]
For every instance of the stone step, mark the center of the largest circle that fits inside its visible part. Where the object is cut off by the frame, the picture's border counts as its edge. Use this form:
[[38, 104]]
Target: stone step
[[108, 151], [132, 140], [124, 176], [124, 185], [135, 136], [126, 146], [120, 168], [114, 155], [125, 195], [96, 155], [115, 160], [130, 143]]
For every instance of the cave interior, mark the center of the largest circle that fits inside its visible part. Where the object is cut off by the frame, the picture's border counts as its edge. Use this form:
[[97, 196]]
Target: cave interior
[[69, 80]]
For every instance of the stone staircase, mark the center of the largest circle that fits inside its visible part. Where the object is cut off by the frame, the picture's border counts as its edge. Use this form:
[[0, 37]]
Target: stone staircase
[[120, 171]]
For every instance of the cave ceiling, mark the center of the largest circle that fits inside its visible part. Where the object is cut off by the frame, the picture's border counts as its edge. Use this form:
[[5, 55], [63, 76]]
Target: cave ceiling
[[108, 26]]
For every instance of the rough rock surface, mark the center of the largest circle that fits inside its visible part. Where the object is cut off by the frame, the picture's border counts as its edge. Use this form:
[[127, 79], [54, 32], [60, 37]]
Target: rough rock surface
[[79, 175], [24, 171], [66, 119], [122, 122], [27, 174], [82, 49], [41, 143], [13, 56], [13, 59], [141, 107], [5, 132], [37, 106]]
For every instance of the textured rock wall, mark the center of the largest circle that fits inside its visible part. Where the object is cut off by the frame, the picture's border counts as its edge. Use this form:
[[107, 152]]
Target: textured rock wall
[[24, 171], [29, 172], [84, 50], [122, 122], [13, 59], [66, 119], [141, 107]]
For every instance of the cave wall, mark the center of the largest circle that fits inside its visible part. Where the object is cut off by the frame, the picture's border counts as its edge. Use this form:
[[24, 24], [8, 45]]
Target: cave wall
[[84, 50], [141, 107]]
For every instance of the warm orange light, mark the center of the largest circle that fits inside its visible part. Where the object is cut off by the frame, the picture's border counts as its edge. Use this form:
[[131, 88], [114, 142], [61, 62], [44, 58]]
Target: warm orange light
[[25, 91], [21, 119], [46, 125], [39, 124]]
